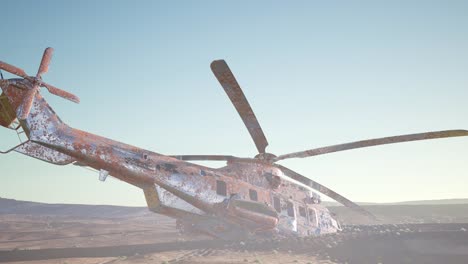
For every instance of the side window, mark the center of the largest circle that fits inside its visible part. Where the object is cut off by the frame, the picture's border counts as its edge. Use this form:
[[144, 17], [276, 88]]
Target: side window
[[302, 211], [312, 217], [221, 188], [277, 204], [253, 195], [290, 209]]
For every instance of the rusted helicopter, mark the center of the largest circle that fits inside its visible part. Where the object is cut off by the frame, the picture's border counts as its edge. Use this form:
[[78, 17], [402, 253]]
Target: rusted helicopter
[[248, 197]]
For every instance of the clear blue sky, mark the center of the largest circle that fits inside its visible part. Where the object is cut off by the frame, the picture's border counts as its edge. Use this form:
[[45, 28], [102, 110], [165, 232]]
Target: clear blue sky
[[315, 72]]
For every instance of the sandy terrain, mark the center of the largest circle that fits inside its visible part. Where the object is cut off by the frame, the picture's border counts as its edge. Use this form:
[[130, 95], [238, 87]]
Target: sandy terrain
[[417, 234]]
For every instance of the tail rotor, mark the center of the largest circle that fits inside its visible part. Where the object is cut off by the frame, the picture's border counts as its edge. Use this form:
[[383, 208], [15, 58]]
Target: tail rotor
[[28, 99]]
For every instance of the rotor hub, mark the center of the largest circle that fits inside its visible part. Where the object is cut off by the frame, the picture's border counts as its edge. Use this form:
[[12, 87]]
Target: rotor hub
[[265, 157]]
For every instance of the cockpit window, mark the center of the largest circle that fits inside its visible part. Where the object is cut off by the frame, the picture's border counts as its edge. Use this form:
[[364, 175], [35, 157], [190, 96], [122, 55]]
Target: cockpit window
[[253, 195], [312, 217], [290, 209], [277, 204], [302, 211], [221, 188]]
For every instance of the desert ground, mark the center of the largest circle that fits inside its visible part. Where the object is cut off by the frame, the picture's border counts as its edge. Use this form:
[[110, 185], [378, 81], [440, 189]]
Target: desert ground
[[405, 233]]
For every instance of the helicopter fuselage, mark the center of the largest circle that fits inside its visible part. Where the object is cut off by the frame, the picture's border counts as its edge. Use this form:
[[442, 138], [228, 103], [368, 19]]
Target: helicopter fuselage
[[251, 197]]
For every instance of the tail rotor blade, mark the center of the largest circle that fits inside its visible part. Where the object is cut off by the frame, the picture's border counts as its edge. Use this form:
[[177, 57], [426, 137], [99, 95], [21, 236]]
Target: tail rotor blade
[[26, 105], [59, 92], [36, 82], [46, 58], [12, 69]]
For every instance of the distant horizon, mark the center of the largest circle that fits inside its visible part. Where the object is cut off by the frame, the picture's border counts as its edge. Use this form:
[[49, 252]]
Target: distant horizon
[[465, 201]]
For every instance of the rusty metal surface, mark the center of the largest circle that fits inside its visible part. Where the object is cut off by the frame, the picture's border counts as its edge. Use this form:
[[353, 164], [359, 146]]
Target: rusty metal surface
[[46, 58], [170, 200], [59, 92], [7, 113], [4, 83], [12, 69], [263, 218], [234, 92], [373, 142], [15, 91], [26, 105], [45, 154]]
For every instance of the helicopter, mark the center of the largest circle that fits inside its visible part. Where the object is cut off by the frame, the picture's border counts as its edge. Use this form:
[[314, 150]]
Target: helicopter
[[249, 197]]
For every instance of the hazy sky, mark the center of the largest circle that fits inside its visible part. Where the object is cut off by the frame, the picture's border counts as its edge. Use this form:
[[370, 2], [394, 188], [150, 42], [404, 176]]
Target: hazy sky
[[316, 74]]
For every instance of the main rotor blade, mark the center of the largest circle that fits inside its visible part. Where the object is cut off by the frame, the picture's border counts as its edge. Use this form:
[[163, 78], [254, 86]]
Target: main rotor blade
[[234, 91], [204, 157], [59, 92], [26, 105], [324, 190], [44, 67], [215, 158], [373, 142], [12, 69]]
